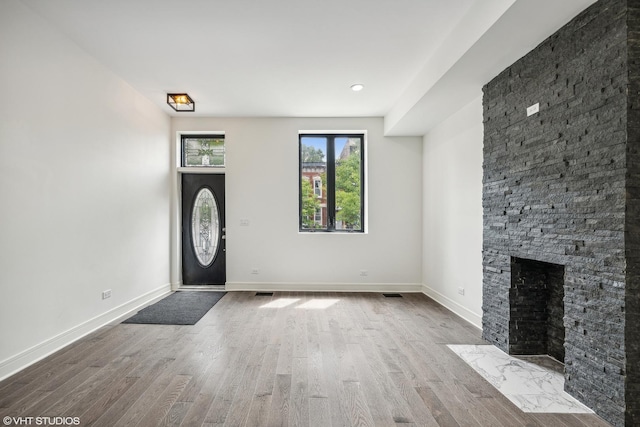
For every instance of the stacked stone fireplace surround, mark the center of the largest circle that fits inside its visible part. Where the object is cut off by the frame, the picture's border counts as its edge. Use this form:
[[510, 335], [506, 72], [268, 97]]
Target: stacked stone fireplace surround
[[562, 188]]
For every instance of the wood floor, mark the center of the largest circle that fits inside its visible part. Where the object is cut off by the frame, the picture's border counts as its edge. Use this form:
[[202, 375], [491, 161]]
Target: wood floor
[[324, 359]]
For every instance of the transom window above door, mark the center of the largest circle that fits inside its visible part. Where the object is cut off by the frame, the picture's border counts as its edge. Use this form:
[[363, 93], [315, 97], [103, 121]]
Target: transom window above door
[[203, 151]]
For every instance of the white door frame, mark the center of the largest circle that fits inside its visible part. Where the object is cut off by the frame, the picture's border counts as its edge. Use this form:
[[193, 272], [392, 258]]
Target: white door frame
[[175, 264]]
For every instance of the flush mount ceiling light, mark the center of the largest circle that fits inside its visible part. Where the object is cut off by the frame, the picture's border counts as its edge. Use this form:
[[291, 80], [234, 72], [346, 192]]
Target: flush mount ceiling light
[[181, 102], [357, 87]]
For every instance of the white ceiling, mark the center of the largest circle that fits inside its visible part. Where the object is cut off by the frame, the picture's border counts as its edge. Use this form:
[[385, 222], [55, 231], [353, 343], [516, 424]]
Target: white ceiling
[[299, 57]]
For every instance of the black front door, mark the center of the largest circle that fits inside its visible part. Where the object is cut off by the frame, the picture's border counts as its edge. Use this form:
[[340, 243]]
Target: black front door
[[203, 230]]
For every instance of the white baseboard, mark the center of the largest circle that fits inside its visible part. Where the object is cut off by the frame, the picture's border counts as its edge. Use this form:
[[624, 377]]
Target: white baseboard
[[468, 315], [30, 356], [323, 287]]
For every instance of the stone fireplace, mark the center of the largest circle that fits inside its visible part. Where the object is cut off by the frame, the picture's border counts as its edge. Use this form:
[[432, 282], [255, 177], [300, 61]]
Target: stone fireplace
[[561, 201], [536, 301]]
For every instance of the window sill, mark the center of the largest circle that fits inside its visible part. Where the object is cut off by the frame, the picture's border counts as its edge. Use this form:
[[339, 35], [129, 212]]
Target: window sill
[[331, 232], [209, 170]]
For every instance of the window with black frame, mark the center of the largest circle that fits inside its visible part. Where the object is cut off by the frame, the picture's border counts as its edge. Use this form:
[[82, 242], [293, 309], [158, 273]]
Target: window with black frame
[[203, 151], [331, 182]]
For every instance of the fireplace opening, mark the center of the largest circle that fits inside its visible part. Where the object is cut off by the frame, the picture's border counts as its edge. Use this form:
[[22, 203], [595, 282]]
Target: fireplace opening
[[536, 299]]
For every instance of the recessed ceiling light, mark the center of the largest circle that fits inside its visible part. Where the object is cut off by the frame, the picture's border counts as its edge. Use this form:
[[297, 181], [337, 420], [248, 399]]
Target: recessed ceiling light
[[357, 87]]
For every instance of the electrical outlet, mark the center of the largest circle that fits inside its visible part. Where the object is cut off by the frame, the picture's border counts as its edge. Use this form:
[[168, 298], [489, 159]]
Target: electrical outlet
[[461, 291], [244, 222], [255, 271], [364, 273], [106, 294]]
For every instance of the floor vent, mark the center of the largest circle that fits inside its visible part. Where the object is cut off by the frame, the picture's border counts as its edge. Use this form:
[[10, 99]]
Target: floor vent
[[264, 294], [392, 295]]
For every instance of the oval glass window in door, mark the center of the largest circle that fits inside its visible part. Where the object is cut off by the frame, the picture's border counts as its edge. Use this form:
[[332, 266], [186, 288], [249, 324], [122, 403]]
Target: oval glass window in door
[[205, 221]]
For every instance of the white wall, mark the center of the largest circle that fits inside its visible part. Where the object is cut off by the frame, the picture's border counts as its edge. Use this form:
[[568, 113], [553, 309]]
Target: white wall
[[452, 206], [84, 192], [262, 186]]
